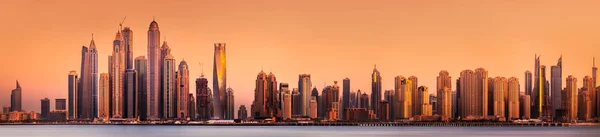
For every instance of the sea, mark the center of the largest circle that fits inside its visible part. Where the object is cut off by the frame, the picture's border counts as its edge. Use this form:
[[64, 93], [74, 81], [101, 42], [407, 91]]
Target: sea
[[288, 131]]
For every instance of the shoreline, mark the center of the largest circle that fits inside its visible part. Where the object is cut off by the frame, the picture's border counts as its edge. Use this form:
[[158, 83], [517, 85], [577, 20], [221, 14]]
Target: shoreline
[[374, 124]]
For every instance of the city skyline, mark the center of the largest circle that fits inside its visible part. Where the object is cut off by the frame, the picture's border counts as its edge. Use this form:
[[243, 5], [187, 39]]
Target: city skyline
[[292, 57]]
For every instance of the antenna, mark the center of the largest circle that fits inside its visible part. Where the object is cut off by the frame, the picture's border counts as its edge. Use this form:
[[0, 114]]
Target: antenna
[[92, 36], [594, 60], [121, 24], [202, 73]]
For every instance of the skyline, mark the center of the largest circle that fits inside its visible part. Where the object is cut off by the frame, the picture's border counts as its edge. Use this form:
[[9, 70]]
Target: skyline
[[290, 57]]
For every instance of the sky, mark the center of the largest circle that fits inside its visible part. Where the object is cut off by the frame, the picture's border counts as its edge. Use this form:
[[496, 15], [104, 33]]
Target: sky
[[329, 39]]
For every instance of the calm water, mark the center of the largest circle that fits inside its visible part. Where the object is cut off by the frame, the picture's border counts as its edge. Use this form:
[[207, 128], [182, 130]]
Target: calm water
[[288, 131]]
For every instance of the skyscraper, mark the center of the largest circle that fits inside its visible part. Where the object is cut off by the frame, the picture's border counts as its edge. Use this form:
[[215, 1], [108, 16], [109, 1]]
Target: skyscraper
[[390, 97], [141, 67], [219, 79], [287, 102], [525, 102], [154, 76], [444, 80], [15, 99], [406, 102], [85, 86], [104, 97], [73, 83], [473, 93], [513, 98], [304, 86], [584, 104], [375, 89], [364, 101], [528, 83], [169, 87], [423, 92], [259, 106], [229, 103], [416, 99], [283, 90], [202, 98], [570, 104], [130, 94], [117, 73], [242, 112], [45, 105], [346, 96], [93, 56], [164, 52], [588, 84], [537, 94], [60, 104], [272, 100], [296, 102], [556, 84], [128, 47], [191, 106], [500, 87], [183, 89]]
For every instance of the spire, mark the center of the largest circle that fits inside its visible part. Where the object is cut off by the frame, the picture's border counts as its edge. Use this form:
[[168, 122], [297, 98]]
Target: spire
[[202, 72], [92, 43], [18, 86]]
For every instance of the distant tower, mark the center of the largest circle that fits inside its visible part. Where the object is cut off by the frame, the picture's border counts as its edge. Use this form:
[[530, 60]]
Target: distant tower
[[164, 52], [141, 67], [15, 99], [93, 56], [183, 89], [528, 83], [259, 106], [556, 84], [85, 86], [117, 77], [304, 87], [423, 94], [130, 99], [346, 96], [219, 79], [104, 97], [570, 104], [416, 98], [513, 98], [375, 89], [202, 98], [271, 97], [444, 81], [229, 103], [154, 75], [45, 105], [406, 102], [169, 85], [500, 88], [73, 83], [473, 93]]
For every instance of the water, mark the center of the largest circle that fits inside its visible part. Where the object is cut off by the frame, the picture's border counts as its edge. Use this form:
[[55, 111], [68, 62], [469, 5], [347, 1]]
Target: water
[[287, 131]]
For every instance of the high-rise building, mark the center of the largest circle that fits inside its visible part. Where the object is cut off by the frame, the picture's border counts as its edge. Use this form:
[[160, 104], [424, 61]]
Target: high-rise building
[[383, 111], [364, 101], [104, 97], [423, 94], [242, 112], [183, 90], [229, 103], [117, 74], [415, 96], [556, 84], [445, 102], [525, 103], [219, 79], [390, 98], [444, 80], [60, 104], [259, 106], [584, 104], [154, 74], [539, 88], [375, 89], [130, 98], [169, 87], [165, 50], [16, 99], [296, 102], [313, 108], [45, 107], [73, 83], [141, 67], [570, 102], [85, 85], [352, 101], [191, 106], [285, 101], [513, 98], [588, 84], [304, 86], [473, 94], [271, 97], [202, 98], [500, 85], [528, 83], [128, 47], [406, 103], [93, 60], [345, 96], [332, 101]]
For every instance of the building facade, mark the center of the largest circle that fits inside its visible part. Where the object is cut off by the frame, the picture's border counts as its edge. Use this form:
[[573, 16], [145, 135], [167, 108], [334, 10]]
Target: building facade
[[153, 87], [169, 87], [72, 83], [219, 79], [376, 90], [304, 89], [141, 67], [183, 90], [570, 96], [104, 97]]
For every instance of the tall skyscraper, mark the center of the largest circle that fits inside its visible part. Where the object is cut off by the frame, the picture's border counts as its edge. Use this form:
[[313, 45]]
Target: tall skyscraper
[[45, 107], [202, 98], [287, 101], [104, 97], [60, 104], [130, 98], [169, 85], [229, 103], [525, 101], [556, 84], [271, 97], [513, 98], [588, 84], [390, 98], [570, 102], [296, 102], [304, 86], [93, 56], [406, 102], [15, 99], [128, 47], [445, 103], [191, 106], [141, 67], [219, 79], [85, 85], [165, 51], [242, 112], [375, 89], [528, 83], [473, 93], [183, 89], [537, 94], [153, 80], [500, 87], [443, 80], [117, 74], [415, 96], [426, 109], [345, 96], [73, 83], [584, 104], [261, 92]]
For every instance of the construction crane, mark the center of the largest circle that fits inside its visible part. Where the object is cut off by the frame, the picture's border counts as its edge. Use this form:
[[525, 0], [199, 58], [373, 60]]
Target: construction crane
[[121, 24]]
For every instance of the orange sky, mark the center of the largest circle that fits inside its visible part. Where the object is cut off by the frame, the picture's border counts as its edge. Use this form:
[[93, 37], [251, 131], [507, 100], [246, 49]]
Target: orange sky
[[330, 39]]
